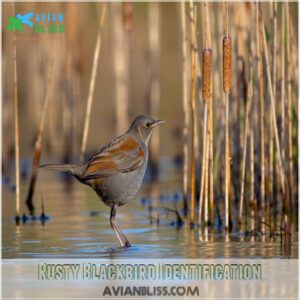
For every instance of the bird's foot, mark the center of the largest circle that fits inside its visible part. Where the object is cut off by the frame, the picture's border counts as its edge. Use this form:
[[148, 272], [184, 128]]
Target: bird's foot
[[126, 244]]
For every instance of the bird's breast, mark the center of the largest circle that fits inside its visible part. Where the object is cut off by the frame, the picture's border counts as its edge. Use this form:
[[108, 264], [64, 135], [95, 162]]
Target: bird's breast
[[120, 188]]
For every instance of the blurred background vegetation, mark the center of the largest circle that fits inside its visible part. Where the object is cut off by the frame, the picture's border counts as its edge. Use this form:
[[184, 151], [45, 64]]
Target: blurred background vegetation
[[150, 59]]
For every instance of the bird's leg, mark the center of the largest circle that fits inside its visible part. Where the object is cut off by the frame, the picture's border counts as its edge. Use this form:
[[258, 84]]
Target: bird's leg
[[121, 237]]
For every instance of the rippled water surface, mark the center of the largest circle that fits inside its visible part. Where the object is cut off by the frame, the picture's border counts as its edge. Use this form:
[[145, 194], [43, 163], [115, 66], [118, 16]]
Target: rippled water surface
[[79, 227]]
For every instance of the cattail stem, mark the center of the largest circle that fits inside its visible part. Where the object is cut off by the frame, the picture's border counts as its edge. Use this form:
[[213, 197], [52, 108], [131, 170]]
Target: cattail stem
[[252, 195], [210, 157], [203, 164], [207, 167], [92, 83], [206, 187], [185, 106], [206, 95], [283, 84], [16, 106], [262, 109], [248, 107], [227, 63], [193, 106], [38, 143], [227, 164]]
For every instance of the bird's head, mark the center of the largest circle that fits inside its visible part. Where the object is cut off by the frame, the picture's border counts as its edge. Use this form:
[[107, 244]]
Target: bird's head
[[143, 126]]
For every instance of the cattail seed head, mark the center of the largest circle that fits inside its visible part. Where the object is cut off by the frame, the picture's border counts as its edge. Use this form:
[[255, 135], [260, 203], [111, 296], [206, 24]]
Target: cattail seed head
[[206, 74], [127, 15], [227, 58]]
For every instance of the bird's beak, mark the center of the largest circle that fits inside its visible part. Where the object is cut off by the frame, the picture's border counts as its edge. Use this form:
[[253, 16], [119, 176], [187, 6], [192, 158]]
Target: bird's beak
[[157, 122]]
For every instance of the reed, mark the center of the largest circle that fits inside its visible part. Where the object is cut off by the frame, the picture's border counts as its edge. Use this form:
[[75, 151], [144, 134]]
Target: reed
[[16, 118], [210, 159], [282, 133], [92, 82], [259, 50], [204, 157], [38, 144], [252, 201], [252, 182], [270, 88], [186, 109], [193, 14], [227, 63], [121, 68], [248, 108], [289, 110], [271, 127], [236, 91], [154, 51]]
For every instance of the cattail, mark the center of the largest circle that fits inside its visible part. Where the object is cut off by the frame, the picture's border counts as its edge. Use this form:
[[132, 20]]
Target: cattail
[[127, 15], [226, 88], [206, 73], [227, 58], [206, 95]]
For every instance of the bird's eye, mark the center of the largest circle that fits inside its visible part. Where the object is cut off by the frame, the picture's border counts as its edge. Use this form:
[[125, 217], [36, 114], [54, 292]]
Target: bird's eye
[[148, 125]]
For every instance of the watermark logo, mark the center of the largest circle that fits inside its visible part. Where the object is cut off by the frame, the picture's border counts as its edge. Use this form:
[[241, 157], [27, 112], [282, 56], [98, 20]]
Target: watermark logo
[[38, 23]]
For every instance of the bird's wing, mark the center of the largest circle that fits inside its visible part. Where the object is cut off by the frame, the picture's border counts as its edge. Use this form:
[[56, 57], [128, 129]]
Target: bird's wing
[[122, 155]]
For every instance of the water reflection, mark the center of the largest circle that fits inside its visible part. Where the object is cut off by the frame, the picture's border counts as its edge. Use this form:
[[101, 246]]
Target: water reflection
[[79, 227]]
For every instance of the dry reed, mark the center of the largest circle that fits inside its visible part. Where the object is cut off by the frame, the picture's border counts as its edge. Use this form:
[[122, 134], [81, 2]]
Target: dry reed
[[154, 51], [121, 68], [259, 50], [209, 141], [289, 110], [193, 14], [270, 88], [248, 107], [204, 160], [92, 83], [185, 106], [271, 196], [38, 144], [16, 107], [282, 135]]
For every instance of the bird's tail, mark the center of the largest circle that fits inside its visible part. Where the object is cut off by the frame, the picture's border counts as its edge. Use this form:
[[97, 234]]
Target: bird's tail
[[71, 169]]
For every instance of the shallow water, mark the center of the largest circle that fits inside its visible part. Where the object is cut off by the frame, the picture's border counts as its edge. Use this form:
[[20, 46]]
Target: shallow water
[[79, 227]]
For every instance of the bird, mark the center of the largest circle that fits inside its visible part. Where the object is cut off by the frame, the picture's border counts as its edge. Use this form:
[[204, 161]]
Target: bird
[[116, 171]]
